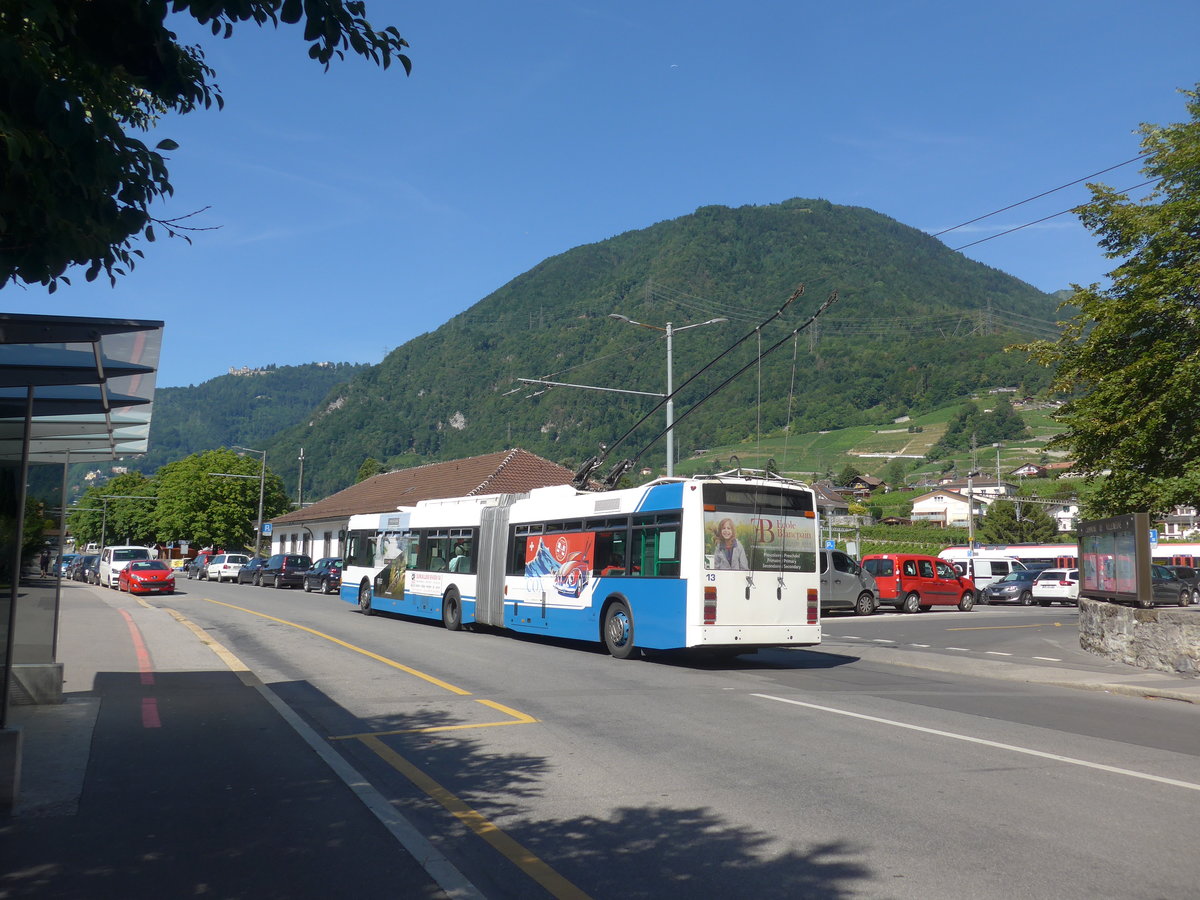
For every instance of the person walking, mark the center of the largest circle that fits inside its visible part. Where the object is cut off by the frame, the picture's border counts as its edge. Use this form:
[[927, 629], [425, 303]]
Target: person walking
[[44, 561]]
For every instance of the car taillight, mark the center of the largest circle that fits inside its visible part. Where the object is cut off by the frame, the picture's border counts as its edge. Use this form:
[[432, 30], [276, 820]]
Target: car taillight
[[710, 604]]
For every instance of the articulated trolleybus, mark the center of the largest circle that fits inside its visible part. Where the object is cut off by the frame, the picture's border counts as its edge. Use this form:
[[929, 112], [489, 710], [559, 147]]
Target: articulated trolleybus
[[723, 562]]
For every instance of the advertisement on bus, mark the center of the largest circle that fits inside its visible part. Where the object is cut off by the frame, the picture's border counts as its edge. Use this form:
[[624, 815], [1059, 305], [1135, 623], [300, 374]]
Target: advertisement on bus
[[762, 543], [563, 560]]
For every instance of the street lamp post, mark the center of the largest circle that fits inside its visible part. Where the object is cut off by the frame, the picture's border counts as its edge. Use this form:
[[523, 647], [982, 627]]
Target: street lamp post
[[262, 481], [670, 331]]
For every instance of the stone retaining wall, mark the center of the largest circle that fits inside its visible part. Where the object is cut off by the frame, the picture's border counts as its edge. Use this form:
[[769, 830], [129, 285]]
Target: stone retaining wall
[[1165, 638]]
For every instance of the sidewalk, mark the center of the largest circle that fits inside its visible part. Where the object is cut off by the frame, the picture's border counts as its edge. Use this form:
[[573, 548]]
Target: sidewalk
[[165, 774]]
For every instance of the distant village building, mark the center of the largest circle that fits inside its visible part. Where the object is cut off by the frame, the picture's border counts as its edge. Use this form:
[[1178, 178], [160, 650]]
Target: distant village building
[[862, 486], [315, 530], [946, 508], [1180, 523], [989, 488], [1029, 470]]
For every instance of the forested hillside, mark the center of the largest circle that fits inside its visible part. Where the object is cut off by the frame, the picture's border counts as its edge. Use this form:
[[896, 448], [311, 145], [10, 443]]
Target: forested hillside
[[915, 325], [249, 410]]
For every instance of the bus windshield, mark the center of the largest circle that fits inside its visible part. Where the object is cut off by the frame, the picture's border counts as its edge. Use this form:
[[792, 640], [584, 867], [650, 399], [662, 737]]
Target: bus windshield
[[759, 529]]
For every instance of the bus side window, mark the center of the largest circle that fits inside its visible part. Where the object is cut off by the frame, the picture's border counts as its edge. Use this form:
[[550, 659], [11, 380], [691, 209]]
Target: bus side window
[[656, 550]]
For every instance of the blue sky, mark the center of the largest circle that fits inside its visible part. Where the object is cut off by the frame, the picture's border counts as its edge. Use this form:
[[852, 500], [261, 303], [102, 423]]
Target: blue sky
[[356, 209]]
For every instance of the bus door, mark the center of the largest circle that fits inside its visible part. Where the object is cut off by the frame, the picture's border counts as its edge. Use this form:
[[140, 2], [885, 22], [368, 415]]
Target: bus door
[[491, 554]]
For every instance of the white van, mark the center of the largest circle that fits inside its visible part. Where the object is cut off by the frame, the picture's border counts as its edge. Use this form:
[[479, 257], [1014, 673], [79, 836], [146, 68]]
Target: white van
[[113, 560], [986, 568]]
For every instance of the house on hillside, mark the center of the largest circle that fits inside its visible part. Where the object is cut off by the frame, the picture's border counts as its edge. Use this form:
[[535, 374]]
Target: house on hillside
[[983, 486], [946, 508], [1065, 514], [1180, 524], [315, 530], [862, 486], [1029, 470], [831, 504]]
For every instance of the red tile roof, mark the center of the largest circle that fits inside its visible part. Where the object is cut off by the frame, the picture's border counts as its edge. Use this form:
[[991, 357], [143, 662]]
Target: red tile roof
[[507, 472]]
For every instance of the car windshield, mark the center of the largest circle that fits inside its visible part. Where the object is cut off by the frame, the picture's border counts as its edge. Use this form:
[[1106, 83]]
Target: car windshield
[[148, 564], [132, 553], [1019, 575]]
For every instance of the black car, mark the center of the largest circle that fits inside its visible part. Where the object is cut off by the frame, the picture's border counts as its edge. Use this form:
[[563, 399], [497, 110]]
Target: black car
[[1167, 587], [1190, 577], [285, 570], [91, 569], [325, 575], [251, 572], [1016, 585], [80, 566]]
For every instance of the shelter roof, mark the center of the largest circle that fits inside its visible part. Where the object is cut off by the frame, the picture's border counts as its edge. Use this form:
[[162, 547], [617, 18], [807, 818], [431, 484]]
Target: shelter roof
[[86, 384]]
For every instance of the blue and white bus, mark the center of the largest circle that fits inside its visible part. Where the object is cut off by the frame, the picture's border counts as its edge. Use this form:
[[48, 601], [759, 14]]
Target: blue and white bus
[[726, 562], [371, 543]]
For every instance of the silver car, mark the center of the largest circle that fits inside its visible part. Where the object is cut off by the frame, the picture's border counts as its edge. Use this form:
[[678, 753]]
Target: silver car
[[847, 585]]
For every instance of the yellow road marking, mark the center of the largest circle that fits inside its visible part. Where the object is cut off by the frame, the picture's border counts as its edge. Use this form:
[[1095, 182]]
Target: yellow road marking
[[1003, 627], [375, 656], [522, 858], [518, 718]]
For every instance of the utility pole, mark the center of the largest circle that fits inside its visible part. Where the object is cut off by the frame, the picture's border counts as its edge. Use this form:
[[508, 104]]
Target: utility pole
[[300, 490]]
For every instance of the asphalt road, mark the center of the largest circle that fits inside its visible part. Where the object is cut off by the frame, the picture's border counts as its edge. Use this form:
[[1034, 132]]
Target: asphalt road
[[545, 768]]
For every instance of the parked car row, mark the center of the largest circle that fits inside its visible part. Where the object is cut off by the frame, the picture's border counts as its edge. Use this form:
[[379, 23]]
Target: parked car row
[[293, 570]]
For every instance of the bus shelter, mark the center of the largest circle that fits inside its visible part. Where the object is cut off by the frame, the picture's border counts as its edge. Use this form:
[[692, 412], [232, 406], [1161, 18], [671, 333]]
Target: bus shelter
[[71, 390]]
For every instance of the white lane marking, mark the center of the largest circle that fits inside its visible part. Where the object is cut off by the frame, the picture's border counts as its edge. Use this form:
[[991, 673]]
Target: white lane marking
[[996, 653], [882, 641], [986, 743], [925, 646], [1048, 658], [963, 649]]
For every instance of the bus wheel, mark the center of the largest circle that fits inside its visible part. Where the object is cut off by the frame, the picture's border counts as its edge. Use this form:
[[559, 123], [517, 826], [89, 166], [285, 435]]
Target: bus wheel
[[364, 599], [618, 631], [911, 603], [451, 612], [865, 604]]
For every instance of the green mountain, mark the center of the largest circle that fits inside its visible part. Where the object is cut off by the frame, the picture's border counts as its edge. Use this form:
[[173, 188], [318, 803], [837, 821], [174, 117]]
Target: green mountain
[[247, 409], [915, 326]]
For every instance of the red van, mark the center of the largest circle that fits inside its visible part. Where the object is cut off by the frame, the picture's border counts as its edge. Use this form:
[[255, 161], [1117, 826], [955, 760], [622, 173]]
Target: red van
[[911, 582]]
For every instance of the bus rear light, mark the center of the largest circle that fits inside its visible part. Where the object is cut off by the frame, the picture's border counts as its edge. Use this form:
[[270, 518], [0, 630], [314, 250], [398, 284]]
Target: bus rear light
[[710, 605], [814, 605]]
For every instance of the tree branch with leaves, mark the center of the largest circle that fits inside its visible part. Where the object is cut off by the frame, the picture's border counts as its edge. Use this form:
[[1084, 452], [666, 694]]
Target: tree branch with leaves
[[1129, 360], [81, 83]]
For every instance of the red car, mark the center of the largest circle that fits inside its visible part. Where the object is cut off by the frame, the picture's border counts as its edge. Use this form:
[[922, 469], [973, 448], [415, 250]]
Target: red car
[[147, 576]]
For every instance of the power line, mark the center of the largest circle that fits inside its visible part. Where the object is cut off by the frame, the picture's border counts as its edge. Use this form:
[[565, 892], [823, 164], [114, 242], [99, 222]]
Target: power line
[[1043, 218], [1037, 196]]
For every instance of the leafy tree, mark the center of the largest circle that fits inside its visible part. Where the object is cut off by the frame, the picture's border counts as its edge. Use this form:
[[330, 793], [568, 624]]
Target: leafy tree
[[1001, 423], [369, 469], [82, 80], [1004, 525], [1130, 358], [848, 474], [198, 505], [105, 514]]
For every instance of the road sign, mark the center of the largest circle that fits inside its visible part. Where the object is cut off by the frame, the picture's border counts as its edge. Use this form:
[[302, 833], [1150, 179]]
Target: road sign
[[266, 527], [1153, 537], [831, 545]]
